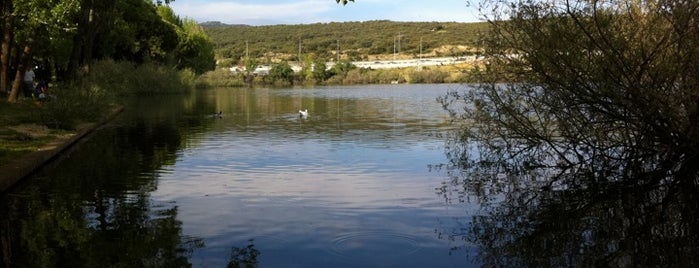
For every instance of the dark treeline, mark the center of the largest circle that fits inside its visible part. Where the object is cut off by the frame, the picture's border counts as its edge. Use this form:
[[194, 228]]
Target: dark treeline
[[61, 38]]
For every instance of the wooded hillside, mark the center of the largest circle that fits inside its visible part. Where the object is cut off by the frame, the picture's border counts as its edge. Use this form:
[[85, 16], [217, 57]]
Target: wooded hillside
[[356, 40]]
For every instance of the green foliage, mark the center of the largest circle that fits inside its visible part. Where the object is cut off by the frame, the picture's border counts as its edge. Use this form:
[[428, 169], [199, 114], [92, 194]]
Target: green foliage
[[251, 65], [584, 110], [90, 98], [168, 15], [137, 34], [357, 39], [387, 76], [281, 72], [226, 63], [126, 78], [342, 67], [63, 36], [195, 50], [427, 76], [222, 77], [601, 92], [13, 142], [74, 104], [307, 68], [320, 73]]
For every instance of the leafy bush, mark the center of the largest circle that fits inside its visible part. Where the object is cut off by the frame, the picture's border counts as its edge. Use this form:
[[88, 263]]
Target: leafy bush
[[74, 104], [89, 98], [223, 77], [126, 78], [427, 76]]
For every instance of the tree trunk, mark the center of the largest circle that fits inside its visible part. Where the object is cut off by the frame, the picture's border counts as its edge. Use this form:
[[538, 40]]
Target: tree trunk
[[79, 39], [21, 67], [7, 33], [91, 14]]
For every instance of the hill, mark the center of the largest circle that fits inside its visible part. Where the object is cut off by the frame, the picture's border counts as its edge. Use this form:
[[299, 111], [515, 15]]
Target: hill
[[355, 41]]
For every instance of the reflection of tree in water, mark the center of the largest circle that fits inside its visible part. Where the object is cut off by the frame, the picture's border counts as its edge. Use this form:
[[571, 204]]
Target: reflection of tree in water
[[245, 257], [592, 159], [597, 224], [76, 215], [65, 232]]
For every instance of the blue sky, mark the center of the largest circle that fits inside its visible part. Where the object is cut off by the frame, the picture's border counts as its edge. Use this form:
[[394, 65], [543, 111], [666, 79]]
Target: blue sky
[[271, 12]]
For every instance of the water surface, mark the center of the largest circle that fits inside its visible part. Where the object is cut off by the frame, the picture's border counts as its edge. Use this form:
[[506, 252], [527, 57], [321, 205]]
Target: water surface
[[354, 184]]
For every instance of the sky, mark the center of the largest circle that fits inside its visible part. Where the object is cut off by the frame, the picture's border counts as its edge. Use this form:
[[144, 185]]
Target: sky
[[273, 12]]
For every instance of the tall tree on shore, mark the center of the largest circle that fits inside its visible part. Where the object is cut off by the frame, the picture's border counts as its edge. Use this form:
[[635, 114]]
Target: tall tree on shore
[[195, 49], [7, 35], [586, 110], [66, 35], [92, 15], [584, 86], [26, 24]]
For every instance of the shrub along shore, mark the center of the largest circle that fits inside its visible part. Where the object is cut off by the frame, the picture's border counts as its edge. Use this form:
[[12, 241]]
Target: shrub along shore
[[32, 131], [346, 75]]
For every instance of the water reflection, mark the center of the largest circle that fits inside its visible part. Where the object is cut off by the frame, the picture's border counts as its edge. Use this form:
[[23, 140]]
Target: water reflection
[[244, 257], [170, 185], [553, 217], [92, 207]]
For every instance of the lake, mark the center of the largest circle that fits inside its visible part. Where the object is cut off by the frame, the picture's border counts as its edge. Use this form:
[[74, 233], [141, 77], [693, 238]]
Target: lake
[[357, 183], [374, 176]]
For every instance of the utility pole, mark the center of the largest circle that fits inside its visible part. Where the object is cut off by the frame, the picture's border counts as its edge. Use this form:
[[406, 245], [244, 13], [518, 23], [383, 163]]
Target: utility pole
[[338, 50], [394, 48], [420, 49], [299, 51], [419, 63]]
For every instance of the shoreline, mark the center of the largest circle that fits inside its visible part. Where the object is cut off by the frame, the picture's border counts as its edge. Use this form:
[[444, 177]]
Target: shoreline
[[19, 168]]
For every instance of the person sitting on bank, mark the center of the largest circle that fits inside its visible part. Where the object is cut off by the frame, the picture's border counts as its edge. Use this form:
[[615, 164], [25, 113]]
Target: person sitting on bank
[[41, 91], [28, 82]]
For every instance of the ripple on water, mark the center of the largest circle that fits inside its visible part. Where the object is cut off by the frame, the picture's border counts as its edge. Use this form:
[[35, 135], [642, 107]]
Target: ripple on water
[[373, 244]]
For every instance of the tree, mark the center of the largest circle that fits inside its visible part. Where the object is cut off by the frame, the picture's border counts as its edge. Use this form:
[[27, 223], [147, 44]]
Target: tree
[[251, 65], [595, 85], [62, 37], [320, 72], [342, 67], [25, 24], [92, 16], [195, 49], [307, 67], [138, 34], [581, 102], [281, 72]]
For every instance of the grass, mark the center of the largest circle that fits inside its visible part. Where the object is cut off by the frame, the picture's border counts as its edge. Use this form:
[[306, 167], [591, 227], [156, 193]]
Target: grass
[[28, 125], [22, 130]]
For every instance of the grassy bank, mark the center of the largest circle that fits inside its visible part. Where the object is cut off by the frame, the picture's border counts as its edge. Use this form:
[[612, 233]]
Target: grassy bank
[[21, 130], [29, 124]]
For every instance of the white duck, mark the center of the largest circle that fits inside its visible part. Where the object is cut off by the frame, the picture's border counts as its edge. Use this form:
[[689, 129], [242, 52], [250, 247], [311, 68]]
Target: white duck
[[303, 113]]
